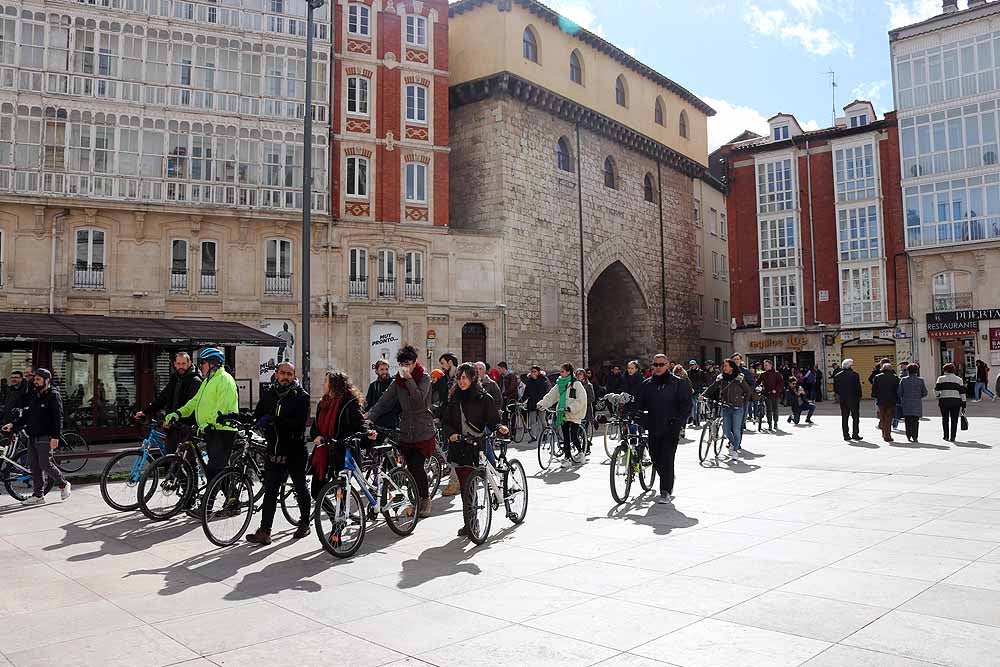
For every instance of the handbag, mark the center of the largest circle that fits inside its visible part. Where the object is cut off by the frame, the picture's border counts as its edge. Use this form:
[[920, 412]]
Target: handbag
[[963, 422]]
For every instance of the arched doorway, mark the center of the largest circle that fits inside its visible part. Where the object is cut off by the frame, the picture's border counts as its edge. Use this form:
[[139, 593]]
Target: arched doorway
[[474, 342], [618, 320]]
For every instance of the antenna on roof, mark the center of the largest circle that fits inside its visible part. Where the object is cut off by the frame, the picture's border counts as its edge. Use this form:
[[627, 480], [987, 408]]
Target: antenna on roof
[[833, 94]]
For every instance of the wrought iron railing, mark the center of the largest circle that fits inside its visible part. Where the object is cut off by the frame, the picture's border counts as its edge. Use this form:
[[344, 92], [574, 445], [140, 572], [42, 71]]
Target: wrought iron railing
[[414, 289], [387, 288], [953, 301], [278, 284], [89, 278]]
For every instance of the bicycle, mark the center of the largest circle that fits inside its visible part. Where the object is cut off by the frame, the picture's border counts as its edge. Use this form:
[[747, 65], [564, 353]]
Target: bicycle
[[515, 418], [120, 478], [230, 501], [711, 435], [15, 471], [614, 423], [71, 442], [757, 408], [631, 458], [173, 482], [487, 489], [339, 516], [550, 444]]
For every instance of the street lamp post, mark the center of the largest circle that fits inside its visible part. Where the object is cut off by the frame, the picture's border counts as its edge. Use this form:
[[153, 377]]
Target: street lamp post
[[304, 335]]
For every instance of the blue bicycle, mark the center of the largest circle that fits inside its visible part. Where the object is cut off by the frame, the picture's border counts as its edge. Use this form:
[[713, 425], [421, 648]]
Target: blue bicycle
[[120, 479]]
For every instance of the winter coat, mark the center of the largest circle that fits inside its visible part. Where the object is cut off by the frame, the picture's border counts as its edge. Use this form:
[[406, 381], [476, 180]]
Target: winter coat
[[772, 383], [576, 401], [285, 418], [884, 388], [349, 419], [44, 415], [493, 389], [534, 390], [847, 386], [413, 394], [179, 390], [390, 419], [699, 379], [479, 407], [591, 400], [508, 387], [666, 400], [217, 393], [16, 399], [949, 386], [911, 393], [616, 383], [734, 392], [631, 383]]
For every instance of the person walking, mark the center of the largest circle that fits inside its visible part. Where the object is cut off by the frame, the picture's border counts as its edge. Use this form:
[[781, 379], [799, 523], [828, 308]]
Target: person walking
[[982, 381], [950, 393], [910, 395], [884, 390], [183, 385], [774, 386], [665, 402], [570, 397], [731, 389], [447, 362], [508, 384], [282, 413], [42, 421], [588, 421], [847, 387]]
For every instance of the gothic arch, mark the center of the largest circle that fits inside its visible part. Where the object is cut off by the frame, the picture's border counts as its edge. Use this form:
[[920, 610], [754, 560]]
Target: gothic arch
[[607, 254]]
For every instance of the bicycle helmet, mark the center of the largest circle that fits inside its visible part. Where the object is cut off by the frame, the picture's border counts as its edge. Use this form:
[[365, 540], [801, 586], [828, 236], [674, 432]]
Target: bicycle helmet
[[212, 355]]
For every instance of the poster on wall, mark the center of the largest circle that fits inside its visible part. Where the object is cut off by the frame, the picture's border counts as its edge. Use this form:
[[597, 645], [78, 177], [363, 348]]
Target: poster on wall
[[270, 357], [386, 340], [995, 346]]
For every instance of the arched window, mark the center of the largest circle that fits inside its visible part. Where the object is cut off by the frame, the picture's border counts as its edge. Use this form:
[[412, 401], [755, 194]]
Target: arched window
[[658, 114], [529, 47], [621, 93], [564, 158], [649, 188], [682, 125], [575, 68], [610, 174]]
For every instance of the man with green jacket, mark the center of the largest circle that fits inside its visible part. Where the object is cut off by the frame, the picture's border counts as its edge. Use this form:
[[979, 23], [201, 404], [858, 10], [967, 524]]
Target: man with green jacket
[[216, 394]]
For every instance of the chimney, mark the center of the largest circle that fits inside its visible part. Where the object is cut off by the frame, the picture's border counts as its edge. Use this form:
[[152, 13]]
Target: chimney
[[949, 6], [976, 3]]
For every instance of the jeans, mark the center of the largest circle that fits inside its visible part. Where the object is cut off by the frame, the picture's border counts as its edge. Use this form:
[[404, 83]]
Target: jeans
[[808, 408], [732, 425], [663, 450], [275, 474], [695, 418], [39, 459], [981, 387], [850, 411], [771, 405]]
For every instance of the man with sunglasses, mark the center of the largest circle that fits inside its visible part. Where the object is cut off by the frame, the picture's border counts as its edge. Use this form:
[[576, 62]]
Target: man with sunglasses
[[665, 401]]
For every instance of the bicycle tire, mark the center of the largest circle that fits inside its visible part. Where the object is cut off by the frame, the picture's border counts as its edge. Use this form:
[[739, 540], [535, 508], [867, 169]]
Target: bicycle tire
[[647, 473], [171, 470], [478, 508], [546, 448], [404, 519], [19, 484], [717, 437], [116, 492], [518, 427], [621, 473], [289, 501], [71, 443], [534, 430], [331, 536], [228, 507], [705, 442], [515, 491], [433, 468]]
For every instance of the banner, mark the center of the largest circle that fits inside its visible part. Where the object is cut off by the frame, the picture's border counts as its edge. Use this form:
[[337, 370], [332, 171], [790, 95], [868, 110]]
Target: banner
[[270, 357], [386, 340]]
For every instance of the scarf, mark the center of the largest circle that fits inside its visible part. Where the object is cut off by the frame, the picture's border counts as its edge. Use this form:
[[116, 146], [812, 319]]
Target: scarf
[[563, 384], [416, 374], [329, 409]]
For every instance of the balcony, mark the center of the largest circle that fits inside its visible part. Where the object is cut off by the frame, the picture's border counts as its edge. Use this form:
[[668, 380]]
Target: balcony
[[88, 278], [278, 284], [178, 282], [357, 289], [209, 283], [387, 288], [414, 289], [953, 301]]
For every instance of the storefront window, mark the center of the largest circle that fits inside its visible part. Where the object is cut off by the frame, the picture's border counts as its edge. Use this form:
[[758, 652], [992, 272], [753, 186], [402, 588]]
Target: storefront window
[[11, 360], [99, 389], [74, 377]]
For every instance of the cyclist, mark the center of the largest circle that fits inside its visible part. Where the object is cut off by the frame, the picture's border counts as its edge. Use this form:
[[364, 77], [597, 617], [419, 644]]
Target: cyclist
[[633, 378], [732, 390], [581, 376], [536, 385], [699, 380], [491, 387], [17, 391], [282, 413], [183, 385], [379, 386], [665, 403], [338, 416], [216, 394], [571, 398]]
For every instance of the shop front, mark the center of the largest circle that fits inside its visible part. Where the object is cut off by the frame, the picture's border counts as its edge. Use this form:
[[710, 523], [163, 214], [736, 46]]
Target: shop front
[[868, 347], [106, 367], [794, 350], [963, 337]]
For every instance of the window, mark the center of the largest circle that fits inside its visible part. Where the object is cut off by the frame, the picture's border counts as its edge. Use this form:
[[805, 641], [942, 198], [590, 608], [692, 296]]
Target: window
[[386, 274], [952, 290], [610, 177], [780, 301], [859, 121], [699, 260], [575, 68], [949, 140], [32, 44], [209, 267], [357, 95], [414, 279], [950, 212], [658, 114], [713, 222], [861, 294], [178, 266], [416, 182], [723, 226], [621, 93], [357, 177], [780, 133], [855, 173], [858, 233], [358, 20], [718, 309], [278, 267], [416, 30], [529, 45], [357, 287], [682, 125], [564, 159], [774, 186], [697, 213], [725, 311], [88, 269], [649, 188], [416, 104], [777, 244]]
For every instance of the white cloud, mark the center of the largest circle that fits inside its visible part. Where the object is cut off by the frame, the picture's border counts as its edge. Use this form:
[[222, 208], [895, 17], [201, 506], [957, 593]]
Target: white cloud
[[776, 23], [579, 11], [871, 91], [907, 12], [807, 8], [730, 120]]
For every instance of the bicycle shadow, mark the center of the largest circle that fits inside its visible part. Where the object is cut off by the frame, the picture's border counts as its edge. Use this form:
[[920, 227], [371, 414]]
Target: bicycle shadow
[[557, 475], [448, 559], [644, 511]]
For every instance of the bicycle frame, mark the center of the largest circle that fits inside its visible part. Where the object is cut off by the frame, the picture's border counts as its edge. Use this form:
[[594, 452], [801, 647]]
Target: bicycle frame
[[10, 448], [352, 475]]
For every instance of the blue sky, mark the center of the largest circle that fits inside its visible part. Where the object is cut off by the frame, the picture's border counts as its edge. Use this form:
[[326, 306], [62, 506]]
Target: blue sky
[[750, 59]]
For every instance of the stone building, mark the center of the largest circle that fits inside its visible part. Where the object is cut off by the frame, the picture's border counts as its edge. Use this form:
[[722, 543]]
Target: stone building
[[711, 228], [582, 159]]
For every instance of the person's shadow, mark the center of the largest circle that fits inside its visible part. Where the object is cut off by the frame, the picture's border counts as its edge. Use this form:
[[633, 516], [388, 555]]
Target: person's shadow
[[864, 444], [643, 510]]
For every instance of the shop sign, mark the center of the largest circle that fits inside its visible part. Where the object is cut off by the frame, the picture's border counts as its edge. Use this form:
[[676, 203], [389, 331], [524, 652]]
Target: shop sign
[[968, 317], [950, 329], [793, 342]]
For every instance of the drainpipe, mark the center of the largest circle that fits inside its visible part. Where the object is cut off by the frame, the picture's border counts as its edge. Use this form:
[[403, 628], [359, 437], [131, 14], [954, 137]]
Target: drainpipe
[[583, 292], [663, 258]]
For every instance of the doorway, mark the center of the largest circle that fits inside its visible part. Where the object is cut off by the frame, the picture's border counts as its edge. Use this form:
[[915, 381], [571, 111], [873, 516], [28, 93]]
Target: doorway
[[474, 342], [962, 353]]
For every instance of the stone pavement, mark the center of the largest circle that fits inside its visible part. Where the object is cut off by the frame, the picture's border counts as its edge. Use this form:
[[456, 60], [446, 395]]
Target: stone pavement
[[809, 551]]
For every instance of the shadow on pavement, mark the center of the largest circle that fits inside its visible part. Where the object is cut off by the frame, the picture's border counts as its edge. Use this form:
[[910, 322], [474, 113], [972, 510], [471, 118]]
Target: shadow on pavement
[[972, 444], [864, 444], [644, 511], [917, 445]]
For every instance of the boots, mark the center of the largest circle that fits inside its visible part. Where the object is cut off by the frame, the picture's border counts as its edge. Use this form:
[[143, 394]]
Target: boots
[[302, 531], [261, 537], [425, 508]]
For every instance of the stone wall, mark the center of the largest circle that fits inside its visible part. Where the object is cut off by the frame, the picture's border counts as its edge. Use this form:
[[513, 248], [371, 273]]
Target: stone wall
[[504, 178]]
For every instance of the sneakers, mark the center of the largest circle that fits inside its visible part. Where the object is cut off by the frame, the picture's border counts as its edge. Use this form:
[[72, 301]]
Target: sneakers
[[425, 508], [65, 491], [33, 500], [261, 537], [450, 490], [665, 499], [856, 437], [566, 463]]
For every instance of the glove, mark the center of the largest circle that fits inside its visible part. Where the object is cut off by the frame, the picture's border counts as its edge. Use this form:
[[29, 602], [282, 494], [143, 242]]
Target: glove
[[171, 418], [264, 421]]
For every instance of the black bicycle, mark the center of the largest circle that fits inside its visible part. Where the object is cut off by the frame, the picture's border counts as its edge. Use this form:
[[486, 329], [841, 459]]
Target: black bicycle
[[230, 500]]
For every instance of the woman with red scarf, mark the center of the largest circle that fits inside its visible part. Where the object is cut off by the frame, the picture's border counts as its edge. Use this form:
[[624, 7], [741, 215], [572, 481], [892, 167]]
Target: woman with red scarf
[[411, 389], [338, 416]]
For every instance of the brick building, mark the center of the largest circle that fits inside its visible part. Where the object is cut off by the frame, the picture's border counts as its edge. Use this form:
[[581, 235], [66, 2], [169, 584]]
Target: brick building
[[816, 255]]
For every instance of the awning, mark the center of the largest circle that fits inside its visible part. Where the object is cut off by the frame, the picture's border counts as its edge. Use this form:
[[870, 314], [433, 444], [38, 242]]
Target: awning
[[84, 329]]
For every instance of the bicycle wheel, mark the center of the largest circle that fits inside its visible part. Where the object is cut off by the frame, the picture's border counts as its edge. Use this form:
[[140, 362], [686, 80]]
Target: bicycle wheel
[[19, 482], [705, 442], [608, 429], [228, 507], [399, 501], [255, 471], [478, 508], [433, 468], [546, 448], [120, 480], [535, 426], [518, 427], [166, 487], [71, 443], [718, 438], [289, 501], [343, 538], [515, 491], [647, 473], [621, 473]]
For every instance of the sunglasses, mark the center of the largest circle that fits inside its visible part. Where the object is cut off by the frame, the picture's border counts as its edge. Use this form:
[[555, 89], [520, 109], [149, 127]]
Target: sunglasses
[[658, 365]]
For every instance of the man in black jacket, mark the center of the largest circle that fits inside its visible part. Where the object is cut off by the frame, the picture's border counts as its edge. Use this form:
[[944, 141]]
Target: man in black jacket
[[282, 413], [666, 400], [43, 422], [181, 388], [17, 392], [884, 389], [847, 387], [535, 387], [616, 382], [390, 419]]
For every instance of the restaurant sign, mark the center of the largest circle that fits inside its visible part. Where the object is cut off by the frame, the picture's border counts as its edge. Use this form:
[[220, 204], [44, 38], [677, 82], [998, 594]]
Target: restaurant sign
[[793, 342], [959, 322]]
